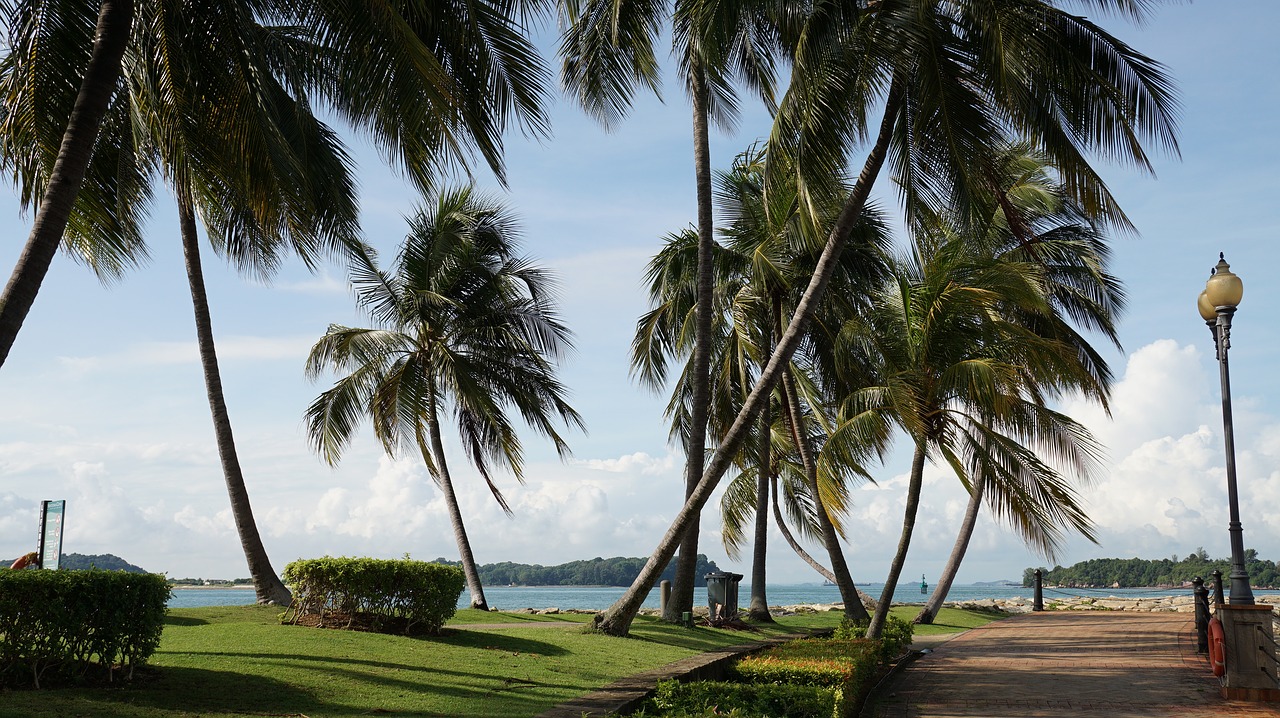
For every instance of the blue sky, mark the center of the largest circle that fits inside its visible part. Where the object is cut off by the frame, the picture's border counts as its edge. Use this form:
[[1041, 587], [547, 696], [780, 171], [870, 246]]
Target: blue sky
[[103, 401]]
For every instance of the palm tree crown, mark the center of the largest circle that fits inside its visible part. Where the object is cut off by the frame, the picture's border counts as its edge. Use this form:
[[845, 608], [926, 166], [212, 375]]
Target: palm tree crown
[[463, 322]]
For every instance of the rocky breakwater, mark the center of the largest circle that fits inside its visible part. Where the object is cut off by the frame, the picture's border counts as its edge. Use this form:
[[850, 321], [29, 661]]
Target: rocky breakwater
[[1179, 603]]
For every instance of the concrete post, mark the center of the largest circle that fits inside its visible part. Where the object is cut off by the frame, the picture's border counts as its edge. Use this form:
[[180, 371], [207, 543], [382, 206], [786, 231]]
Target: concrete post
[[664, 595], [1250, 653]]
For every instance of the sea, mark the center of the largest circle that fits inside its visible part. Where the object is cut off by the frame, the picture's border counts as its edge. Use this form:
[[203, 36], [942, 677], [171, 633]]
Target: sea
[[510, 598]]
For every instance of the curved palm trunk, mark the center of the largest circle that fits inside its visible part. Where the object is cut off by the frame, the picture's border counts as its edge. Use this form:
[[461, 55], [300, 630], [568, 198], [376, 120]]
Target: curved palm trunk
[[617, 619], [695, 449], [266, 584], [904, 542], [474, 587], [115, 18], [853, 608], [795, 545], [934, 604], [758, 609]]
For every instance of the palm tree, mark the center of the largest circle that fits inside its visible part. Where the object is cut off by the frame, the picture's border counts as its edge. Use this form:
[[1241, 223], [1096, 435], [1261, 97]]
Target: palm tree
[[608, 50], [262, 172], [1029, 219], [465, 324], [962, 374], [950, 80], [46, 40]]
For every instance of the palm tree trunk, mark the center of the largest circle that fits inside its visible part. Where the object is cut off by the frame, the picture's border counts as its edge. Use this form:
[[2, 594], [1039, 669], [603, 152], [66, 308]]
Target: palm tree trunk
[[115, 18], [795, 545], [469, 569], [904, 542], [758, 610], [695, 448], [931, 607], [266, 584], [853, 608], [617, 619]]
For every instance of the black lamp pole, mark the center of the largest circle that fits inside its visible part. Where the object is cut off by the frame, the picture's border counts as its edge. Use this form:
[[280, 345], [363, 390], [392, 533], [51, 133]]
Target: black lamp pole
[[1217, 305]]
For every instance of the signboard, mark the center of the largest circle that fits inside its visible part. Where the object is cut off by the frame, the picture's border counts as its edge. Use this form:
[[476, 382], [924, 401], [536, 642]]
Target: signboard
[[51, 513]]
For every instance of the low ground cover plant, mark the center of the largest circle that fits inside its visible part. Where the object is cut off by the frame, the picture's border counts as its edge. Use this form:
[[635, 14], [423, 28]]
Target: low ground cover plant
[[59, 627], [387, 596]]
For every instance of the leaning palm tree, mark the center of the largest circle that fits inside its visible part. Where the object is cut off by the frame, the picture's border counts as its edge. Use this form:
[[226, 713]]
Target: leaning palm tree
[[1029, 219], [608, 50], [950, 81], [47, 40], [464, 324], [962, 375], [261, 172]]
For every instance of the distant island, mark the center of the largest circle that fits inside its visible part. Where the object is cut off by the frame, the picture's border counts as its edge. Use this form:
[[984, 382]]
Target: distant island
[[1001, 582], [1142, 573], [618, 571], [598, 571], [100, 561]]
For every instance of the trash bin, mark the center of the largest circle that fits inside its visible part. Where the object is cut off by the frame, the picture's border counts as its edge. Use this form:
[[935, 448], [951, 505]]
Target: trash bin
[[722, 595]]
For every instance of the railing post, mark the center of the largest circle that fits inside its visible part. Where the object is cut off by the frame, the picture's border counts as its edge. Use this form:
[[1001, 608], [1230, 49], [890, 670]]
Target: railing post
[[1202, 615], [664, 595], [1037, 602], [1217, 587]]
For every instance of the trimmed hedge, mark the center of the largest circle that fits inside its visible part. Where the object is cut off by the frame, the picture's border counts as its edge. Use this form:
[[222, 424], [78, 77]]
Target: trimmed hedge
[[401, 596], [895, 639], [673, 699], [71, 625]]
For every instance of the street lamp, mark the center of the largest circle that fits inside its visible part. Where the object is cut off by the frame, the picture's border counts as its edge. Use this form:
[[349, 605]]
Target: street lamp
[[1217, 304]]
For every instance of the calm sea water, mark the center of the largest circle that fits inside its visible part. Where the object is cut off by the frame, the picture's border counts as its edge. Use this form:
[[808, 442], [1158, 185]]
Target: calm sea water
[[510, 598]]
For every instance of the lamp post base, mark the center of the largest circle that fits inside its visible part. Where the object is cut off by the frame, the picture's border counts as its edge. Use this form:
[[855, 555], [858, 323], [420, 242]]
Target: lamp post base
[[1250, 653]]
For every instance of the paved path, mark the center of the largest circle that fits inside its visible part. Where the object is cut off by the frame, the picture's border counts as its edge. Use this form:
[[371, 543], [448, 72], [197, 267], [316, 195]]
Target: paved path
[[1055, 664]]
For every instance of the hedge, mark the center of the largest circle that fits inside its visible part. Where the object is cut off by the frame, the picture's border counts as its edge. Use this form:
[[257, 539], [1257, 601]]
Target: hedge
[[388, 596], [72, 625], [673, 699]]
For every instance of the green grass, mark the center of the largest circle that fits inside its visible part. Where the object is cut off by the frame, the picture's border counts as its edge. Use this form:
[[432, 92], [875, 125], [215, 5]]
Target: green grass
[[238, 660]]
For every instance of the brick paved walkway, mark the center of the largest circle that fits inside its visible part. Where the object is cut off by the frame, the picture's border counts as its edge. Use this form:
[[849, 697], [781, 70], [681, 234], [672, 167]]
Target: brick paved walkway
[[1066, 665]]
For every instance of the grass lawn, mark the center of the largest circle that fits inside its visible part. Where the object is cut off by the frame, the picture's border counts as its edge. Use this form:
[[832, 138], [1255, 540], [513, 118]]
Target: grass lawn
[[238, 660]]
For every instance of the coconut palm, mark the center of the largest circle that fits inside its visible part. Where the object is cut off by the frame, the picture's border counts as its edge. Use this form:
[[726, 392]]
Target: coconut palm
[[965, 378], [463, 324], [608, 49], [263, 174], [1030, 220], [48, 40], [950, 81]]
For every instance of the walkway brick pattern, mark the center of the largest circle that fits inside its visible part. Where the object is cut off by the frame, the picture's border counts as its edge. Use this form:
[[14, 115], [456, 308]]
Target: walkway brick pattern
[[1065, 665]]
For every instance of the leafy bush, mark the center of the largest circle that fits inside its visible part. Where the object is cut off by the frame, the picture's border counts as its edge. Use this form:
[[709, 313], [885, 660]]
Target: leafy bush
[[68, 625], [895, 639], [673, 699], [404, 596]]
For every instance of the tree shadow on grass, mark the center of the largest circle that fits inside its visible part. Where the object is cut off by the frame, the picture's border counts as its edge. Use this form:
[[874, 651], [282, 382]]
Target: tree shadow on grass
[[184, 621], [181, 690]]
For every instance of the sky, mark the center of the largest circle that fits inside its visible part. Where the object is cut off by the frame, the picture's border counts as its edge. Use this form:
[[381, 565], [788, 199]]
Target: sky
[[102, 399]]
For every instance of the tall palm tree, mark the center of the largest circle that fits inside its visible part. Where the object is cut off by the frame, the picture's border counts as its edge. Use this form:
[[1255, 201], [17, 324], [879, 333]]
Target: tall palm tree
[[261, 171], [464, 323], [949, 80], [1029, 219], [608, 49], [965, 378]]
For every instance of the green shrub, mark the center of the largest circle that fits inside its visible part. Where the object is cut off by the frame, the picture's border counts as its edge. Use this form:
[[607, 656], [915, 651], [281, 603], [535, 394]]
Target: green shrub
[[895, 639], [403, 596], [69, 625], [673, 699], [830, 663]]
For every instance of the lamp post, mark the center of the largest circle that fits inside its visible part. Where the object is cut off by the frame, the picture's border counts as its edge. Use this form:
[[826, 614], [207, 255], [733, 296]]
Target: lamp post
[[1217, 304]]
